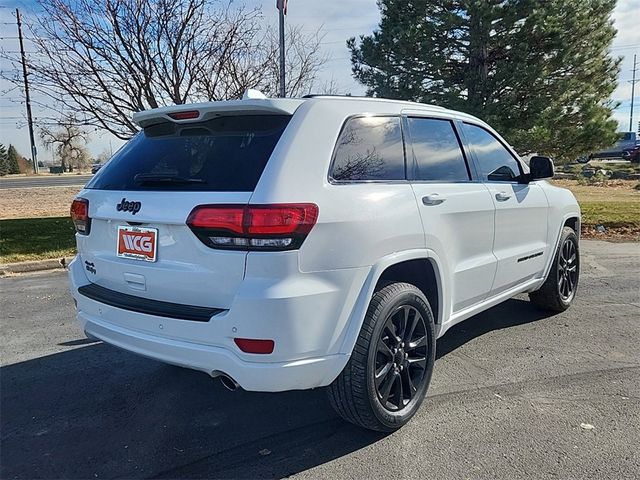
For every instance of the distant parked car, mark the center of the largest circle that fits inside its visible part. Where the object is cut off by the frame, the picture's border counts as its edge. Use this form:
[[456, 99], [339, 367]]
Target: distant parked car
[[633, 154], [626, 141], [95, 167]]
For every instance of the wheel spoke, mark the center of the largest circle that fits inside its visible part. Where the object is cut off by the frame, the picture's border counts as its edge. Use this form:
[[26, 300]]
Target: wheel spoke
[[403, 318], [384, 349], [399, 392], [412, 327], [406, 376], [418, 362], [382, 374], [385, 386], [420, 342], [390, 329]]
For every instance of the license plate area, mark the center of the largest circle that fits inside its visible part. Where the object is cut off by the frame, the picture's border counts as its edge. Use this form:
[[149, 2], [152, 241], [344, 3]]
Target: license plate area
[[137, 243]]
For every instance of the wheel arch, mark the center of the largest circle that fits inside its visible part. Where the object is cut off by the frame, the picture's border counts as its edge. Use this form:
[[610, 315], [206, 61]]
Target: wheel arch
[[399, 267], [569, 219]]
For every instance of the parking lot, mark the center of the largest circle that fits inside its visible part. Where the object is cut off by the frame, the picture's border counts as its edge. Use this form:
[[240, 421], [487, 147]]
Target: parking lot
[[516, 393]]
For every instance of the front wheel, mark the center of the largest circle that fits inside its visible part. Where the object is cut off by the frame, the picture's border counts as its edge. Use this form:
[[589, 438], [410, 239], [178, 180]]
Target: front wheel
[[560, 287], [387, 376]]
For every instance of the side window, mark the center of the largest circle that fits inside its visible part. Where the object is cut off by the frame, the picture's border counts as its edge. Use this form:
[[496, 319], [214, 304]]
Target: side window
[[495, 162], [437, 151], [369, 148]]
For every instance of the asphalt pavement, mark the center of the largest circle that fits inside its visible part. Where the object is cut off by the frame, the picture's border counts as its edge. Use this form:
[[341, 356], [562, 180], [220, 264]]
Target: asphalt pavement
[[44, 181], [516, 393]]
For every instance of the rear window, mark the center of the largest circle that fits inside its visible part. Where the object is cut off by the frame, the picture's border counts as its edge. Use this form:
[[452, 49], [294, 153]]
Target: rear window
[[225, 154]]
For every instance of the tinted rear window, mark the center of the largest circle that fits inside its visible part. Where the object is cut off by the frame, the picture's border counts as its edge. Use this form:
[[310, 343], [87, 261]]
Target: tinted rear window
[[225, 154]]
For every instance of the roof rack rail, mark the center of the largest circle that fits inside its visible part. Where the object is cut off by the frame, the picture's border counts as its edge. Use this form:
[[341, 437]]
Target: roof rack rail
[[364, 97], [314, 95]]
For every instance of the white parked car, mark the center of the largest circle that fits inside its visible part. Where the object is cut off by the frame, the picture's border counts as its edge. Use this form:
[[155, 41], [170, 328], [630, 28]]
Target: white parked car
[[287, 244]]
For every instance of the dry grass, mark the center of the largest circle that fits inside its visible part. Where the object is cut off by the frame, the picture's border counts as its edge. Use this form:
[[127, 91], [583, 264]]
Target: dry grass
[[614, 204], [36, 202]]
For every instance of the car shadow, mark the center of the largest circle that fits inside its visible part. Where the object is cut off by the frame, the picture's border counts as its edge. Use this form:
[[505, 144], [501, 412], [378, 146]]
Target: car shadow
[[96, 411]]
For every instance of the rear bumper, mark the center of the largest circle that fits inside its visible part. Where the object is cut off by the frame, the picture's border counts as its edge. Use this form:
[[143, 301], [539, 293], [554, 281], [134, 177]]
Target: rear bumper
[[306, 315], [252, 376]]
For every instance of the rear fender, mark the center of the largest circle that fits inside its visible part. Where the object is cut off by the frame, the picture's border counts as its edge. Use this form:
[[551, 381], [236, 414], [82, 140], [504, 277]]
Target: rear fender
[[361, 305]]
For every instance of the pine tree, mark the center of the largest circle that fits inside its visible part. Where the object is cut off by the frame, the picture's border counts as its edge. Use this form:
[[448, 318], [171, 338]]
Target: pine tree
[[3, 161], [12, 160], [539, 72]]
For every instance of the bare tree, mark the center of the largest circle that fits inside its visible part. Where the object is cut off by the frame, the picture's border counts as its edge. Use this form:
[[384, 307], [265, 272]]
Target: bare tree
[[102, 60], [68, 142]]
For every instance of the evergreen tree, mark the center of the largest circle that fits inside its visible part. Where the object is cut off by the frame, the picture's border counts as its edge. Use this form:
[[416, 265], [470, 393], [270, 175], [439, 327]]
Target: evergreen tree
[[539, 72], [3, 161], [12, 160]]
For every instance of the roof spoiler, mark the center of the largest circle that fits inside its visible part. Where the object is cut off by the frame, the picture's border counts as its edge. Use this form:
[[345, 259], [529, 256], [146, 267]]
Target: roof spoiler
[[253, 103]]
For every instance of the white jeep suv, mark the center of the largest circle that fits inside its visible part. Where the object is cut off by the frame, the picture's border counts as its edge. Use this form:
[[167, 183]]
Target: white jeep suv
[[287, 244]]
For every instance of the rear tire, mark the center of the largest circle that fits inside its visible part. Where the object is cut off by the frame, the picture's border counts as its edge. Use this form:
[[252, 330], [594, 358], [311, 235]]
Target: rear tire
[[388, 373], [560, 287]]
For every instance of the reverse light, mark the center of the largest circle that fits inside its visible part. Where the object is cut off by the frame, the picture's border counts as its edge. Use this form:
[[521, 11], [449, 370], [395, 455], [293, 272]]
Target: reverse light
[[253, 227], [80, 215], [250, 345]]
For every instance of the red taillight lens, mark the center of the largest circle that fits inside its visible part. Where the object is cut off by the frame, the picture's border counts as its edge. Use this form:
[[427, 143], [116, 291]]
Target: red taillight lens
[[253, 227], [281, 219], [218, 218], [80, 215], [249, 345], [188, 115]]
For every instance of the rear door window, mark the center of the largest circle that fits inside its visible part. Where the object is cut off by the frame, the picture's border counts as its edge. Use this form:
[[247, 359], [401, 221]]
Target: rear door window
[[225, 154], [369, 148], [436, 150]]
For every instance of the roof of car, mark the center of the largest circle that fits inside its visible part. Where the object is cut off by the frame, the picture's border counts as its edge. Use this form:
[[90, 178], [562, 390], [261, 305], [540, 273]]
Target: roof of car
[[284, 106]]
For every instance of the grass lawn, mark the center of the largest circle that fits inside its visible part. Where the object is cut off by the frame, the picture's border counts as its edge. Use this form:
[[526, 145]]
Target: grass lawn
[[36, 238], [615, 205]]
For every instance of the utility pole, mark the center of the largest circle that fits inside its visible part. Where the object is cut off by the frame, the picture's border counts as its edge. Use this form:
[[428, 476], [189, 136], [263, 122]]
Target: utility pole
[[34, 153], [282, 11], [633, 91]]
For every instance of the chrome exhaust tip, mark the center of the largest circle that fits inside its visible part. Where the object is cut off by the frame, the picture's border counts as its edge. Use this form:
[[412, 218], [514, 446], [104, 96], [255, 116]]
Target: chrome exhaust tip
[[228, 382]]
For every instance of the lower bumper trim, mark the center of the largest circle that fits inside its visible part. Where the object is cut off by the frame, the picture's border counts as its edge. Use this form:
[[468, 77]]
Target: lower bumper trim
[[148, 306]]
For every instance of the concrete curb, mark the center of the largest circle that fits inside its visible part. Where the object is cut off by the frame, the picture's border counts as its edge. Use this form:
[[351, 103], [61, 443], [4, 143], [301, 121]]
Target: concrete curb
[[34, 266]]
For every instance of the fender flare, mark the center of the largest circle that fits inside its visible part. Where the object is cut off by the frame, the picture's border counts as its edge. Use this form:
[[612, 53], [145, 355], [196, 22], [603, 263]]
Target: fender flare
[[359, 310], [566, 216]]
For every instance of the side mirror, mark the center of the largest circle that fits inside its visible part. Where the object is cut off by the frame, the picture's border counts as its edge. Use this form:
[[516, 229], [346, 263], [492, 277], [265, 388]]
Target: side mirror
[[540, 167]]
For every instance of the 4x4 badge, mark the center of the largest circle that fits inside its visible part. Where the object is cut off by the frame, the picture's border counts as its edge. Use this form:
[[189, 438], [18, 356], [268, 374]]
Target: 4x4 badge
[[125, 206]]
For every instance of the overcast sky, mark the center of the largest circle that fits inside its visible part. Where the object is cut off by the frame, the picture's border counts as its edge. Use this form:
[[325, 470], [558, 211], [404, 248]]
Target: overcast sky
[[339, 20]]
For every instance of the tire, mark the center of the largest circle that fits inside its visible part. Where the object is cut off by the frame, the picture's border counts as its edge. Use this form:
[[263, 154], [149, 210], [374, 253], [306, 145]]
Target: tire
[[560, 287], [356, 395]]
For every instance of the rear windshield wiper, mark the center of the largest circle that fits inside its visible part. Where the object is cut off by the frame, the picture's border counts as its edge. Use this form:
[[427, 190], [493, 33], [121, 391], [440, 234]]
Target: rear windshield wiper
[[150, 178]]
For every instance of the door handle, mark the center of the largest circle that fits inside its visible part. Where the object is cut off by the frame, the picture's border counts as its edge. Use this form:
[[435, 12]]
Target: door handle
[[502, 196], [432, 199]]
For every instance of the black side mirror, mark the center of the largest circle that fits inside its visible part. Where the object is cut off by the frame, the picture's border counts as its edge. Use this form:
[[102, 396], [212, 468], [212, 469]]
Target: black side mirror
[[540, 167]]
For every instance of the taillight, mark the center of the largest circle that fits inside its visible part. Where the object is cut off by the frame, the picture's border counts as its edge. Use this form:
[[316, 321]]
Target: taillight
[[80, 215], [253, 227]]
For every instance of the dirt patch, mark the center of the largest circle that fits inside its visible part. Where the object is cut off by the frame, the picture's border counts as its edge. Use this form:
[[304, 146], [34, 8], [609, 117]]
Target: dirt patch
[[612, 234], [37, 202]]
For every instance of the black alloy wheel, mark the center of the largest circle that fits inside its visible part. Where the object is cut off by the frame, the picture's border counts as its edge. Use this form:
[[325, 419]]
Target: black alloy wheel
[[567, 270], [401, 358]]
